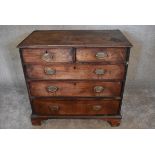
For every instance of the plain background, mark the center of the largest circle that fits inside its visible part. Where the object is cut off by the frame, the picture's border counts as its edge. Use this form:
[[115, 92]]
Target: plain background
[[141, 71], [97, 12]]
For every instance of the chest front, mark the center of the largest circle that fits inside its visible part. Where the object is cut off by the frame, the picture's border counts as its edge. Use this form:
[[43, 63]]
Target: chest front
[[75, 74]]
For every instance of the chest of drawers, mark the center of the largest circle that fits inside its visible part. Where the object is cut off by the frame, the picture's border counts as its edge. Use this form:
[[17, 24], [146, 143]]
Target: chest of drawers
[[75, 74]]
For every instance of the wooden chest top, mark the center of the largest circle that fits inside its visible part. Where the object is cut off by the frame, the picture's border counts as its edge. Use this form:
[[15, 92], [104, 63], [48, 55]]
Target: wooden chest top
[[75, 38]]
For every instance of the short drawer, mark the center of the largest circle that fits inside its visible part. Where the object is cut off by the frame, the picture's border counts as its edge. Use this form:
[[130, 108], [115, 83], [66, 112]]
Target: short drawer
[[74, 88], [75, 107], [75, 72], [47, 55], [106, 55]]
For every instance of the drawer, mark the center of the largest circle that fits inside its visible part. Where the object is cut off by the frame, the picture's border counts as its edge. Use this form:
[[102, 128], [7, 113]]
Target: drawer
[[47, 55], [106, 55], [74, 88], [75, 72], [75, 107]]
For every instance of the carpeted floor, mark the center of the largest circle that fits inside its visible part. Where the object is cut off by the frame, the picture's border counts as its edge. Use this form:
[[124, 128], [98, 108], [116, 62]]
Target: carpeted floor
[[138, 112]]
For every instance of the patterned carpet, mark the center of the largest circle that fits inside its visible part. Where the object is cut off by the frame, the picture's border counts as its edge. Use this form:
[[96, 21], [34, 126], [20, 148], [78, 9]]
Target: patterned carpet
[[138, 112]]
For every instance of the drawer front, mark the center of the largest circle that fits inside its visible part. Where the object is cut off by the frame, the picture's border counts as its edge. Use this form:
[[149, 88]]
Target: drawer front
[[74, 88], [45, 56], [75, 107], [75, 72], [106, 55]]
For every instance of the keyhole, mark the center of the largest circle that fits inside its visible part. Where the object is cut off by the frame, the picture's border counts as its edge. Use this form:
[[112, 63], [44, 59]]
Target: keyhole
[[74, 67]]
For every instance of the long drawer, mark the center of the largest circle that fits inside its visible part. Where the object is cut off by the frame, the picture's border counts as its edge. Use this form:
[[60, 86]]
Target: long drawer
[[75, 107], [75, 71], [75, 88]]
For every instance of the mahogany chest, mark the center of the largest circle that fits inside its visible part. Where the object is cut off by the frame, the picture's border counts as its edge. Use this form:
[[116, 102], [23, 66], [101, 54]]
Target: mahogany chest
[[75, 73]]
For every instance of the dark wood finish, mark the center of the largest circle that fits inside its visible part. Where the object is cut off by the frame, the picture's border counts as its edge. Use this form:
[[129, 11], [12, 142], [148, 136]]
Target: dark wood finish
[[75, 88], [75, 107], [75, 74], [113, 120], [76, 71], [36, 121], [57, 55], [75, 38], [114, 55]]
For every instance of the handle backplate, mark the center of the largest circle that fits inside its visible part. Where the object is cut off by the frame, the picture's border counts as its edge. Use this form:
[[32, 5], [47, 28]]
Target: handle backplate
[[101, 55], [49, 71], [99, 71], [52, 89], [98, 89], [54, 108], [97, 107]]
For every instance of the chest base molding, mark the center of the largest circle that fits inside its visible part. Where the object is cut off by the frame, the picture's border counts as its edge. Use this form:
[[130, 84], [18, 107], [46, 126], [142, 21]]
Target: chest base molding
[[114, 121]]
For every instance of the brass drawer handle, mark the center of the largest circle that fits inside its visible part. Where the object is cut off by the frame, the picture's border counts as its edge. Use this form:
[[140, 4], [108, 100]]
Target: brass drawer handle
[[98, 89], [47, 57], [101, 55], [54, 108], [97, 107], [49, 71], [52, 89], [100, 71]]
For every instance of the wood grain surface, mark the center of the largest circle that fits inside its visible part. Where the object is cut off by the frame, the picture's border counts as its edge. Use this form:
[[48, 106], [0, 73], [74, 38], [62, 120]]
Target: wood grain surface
[[75, 88], [75, 38], [114, 55], [76, 71], [75, 107], [75, 74], [57, 55]]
